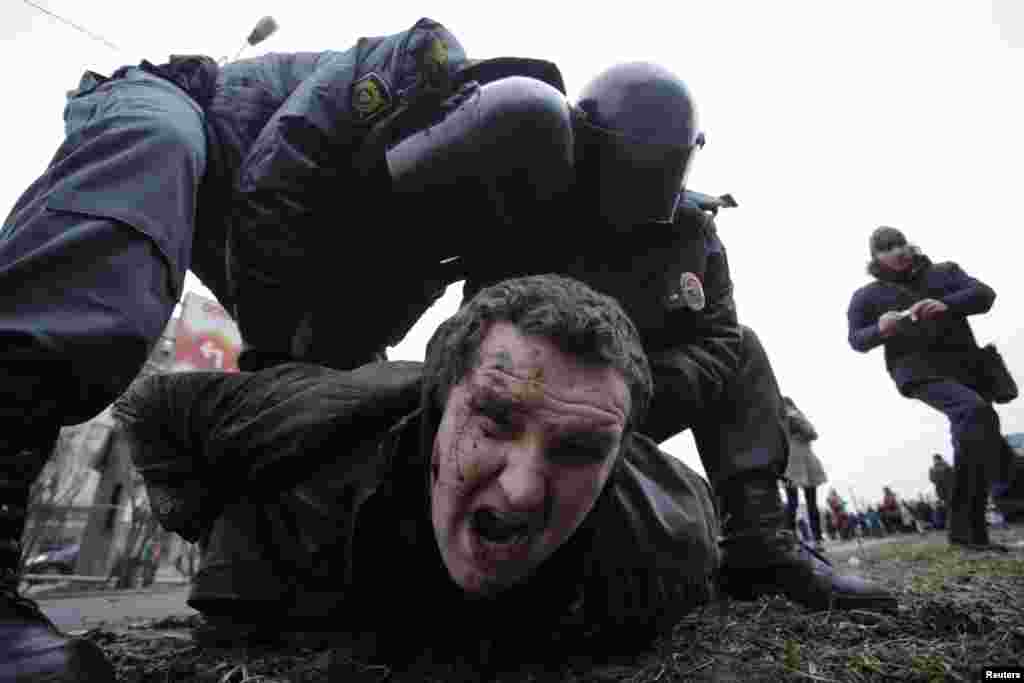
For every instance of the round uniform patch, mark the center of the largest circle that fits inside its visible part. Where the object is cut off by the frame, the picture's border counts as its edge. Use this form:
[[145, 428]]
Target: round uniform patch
[[693, 291], [438, 53], [370, 96]]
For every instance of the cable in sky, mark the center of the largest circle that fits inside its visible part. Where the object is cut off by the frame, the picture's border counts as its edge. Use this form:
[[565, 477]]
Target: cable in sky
[[74, 26]]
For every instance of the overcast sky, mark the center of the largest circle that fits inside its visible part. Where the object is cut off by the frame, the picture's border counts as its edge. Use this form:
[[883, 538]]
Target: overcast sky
[[823, 119]]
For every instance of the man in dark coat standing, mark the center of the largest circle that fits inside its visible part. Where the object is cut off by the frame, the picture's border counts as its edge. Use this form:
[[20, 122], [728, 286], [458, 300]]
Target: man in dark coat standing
[[918, 311]]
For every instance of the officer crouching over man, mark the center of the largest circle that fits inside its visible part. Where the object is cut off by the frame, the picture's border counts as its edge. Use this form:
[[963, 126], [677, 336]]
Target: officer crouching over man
[[473, 159]]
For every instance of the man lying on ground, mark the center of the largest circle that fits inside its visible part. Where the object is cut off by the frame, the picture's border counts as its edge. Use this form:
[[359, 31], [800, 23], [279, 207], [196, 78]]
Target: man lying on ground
[[500, 484]]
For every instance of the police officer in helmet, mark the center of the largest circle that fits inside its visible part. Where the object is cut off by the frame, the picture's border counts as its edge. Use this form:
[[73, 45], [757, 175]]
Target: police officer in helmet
[[638, 236]]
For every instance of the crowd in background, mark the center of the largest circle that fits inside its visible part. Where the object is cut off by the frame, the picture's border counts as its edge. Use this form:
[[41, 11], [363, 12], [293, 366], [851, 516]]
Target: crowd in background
[[892, 514]]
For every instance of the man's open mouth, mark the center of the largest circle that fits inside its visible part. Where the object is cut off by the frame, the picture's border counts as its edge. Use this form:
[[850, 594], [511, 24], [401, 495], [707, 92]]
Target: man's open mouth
[[500, 529]]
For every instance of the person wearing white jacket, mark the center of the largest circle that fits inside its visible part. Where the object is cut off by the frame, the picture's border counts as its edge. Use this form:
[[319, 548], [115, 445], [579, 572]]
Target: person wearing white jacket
[[804, 470]]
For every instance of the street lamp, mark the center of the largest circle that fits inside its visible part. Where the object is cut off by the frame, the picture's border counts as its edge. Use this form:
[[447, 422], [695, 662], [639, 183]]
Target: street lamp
[[264, 28]]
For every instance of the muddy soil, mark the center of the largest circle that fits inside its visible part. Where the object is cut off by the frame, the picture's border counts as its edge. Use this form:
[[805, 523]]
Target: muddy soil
[[959, 611]]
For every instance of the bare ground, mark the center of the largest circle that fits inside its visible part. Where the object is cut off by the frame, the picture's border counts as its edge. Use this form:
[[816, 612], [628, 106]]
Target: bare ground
[[959, 611]]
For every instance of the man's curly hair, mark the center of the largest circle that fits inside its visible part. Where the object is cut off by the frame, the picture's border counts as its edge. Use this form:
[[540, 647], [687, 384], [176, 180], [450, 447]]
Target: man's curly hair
[[578, 320]]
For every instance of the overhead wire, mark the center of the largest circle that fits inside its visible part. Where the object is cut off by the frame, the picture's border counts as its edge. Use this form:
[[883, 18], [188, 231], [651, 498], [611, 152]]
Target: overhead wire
[[82, 29]]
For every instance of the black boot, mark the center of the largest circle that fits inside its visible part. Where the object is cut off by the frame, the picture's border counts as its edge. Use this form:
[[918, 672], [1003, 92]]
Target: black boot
[[32, 649], [968, 525], [761, 557]]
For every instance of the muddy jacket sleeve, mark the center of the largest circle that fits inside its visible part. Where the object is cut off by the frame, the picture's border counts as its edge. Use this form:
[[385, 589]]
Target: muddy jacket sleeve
[[200, 438], [663, 512]]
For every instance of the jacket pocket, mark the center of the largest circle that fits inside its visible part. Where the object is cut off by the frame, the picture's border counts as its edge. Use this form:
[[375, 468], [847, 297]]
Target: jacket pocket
[[79, 205], [138, 159]]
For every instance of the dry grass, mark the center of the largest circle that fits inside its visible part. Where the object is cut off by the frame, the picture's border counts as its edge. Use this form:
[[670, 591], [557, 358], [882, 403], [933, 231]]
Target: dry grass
[[958, 611]]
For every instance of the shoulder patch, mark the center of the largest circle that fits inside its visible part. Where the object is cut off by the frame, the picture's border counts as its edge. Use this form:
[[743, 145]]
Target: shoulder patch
[[693, 292], [437, 54], [433, 62], [370, 96], [688, 292]]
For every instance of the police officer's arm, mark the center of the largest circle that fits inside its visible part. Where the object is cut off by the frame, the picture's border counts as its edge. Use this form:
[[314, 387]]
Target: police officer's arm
[[862, 319], [694, 373], [300, 164], [968, 295]]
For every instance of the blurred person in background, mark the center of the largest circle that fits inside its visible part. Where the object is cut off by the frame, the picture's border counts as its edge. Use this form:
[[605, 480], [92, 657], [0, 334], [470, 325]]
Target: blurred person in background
[[804, 471], [889, 511]]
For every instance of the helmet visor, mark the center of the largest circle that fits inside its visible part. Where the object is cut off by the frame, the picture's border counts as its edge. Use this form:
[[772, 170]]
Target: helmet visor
[[633, 182]]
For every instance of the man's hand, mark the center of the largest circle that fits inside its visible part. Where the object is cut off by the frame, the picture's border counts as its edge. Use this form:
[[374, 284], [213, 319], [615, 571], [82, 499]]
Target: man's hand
[[926, 309], [888, 324]]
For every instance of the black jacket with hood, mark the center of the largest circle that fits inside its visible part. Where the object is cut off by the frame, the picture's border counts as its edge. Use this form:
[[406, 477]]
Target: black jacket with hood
[[326, 484], [943, 347]]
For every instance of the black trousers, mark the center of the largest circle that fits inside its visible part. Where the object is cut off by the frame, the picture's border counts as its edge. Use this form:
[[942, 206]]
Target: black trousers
[[977, 448], [811, 498], [738, 435]]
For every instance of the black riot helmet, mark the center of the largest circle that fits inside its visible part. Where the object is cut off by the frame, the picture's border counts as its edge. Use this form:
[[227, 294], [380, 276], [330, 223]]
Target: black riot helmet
[[636, 131]]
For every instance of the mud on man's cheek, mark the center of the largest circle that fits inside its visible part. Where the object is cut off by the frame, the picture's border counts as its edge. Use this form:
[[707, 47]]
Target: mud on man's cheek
[[457, 461]]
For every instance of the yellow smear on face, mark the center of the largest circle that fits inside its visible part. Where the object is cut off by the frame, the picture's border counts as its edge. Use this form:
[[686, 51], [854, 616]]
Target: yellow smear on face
[[532, 389], [530, 440], [470, 472]]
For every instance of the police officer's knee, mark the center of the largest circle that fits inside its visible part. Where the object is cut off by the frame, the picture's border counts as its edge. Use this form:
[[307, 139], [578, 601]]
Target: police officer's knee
[[510, 142]]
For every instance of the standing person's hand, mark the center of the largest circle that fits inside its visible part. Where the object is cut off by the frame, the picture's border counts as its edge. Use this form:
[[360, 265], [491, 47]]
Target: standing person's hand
[[888, 324], [925, 309]]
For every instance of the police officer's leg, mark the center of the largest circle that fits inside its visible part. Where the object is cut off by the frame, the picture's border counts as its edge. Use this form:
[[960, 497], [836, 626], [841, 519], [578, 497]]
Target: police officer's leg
[[744, 450], [792, 503], [92, 259], [977, 446], [811, 497]]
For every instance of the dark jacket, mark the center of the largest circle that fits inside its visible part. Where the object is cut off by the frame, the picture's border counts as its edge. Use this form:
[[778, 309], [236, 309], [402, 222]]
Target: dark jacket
[[317, 479], [698, 351], [943, 347]]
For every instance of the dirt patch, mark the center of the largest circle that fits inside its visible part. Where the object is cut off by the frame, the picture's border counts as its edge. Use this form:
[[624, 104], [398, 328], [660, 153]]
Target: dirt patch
[[959, 611]]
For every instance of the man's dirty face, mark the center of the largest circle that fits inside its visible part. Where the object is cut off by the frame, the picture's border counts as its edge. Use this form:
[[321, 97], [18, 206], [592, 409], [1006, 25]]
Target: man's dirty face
[[897, 259], [526, 443]]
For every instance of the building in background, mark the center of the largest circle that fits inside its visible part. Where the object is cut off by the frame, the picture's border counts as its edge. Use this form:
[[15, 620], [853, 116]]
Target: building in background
[[89, 493], [205, 338]]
